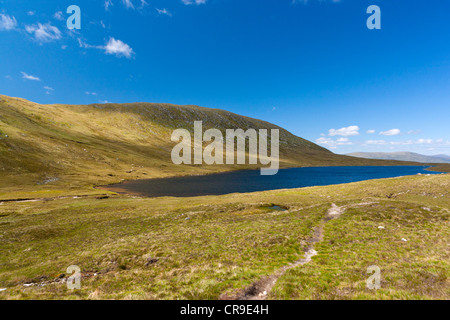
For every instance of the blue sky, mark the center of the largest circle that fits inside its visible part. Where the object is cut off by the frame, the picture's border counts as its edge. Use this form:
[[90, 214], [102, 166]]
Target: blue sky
[[312, 67]]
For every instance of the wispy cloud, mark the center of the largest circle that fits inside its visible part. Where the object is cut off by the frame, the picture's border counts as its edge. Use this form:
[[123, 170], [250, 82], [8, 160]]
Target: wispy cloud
[[377, 142], [128, 4], [197, 2], [392, 132], [107, 4], [85, 45], [333, 144], [113, 46], [344, 132], [44, 32], [91, 93], [164, 11], [29, 77], [48, 89], [408, 142], [7, 22], [58, 16], [370, 131]]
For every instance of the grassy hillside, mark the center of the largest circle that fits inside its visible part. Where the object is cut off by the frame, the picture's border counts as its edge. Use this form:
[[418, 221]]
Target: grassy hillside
[[402, 156], [211, 247], [52, 147], [221, 246]]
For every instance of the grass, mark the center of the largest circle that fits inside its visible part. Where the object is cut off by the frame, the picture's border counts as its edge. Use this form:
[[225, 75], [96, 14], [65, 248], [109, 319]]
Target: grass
[[212, 245], [415, 269], [201, 247]]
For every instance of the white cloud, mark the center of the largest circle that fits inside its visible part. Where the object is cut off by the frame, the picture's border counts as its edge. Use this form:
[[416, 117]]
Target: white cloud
[[424, 141], [370, 131], [333, 144], [7, 22], [8, 77], [164, 11], [197, 2], [29, 77], [44, 32], [91, 93], [345, 132], [48, 89], [84, 45], [392, 132], [108, 3], [408, 142], [128, 4], [58, 16], [31, 13], [326, 142], [377, 142], [113, 46], [118, 48]]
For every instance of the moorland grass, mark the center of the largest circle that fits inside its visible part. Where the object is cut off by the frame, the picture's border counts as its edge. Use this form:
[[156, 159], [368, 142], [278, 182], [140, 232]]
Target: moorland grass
[[204, 247]]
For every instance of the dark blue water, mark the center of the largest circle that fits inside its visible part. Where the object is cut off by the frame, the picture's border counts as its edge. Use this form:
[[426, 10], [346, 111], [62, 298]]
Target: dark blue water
[[251, 180]]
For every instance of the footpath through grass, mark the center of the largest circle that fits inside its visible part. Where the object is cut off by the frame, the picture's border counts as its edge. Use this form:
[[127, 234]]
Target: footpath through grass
[[203, 247]]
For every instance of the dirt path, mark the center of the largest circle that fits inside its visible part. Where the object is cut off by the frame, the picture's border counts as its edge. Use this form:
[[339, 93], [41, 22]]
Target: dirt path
[[260, 290]]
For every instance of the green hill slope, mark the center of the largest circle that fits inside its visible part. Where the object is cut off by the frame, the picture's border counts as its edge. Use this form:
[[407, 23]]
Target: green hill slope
[[82, 145]]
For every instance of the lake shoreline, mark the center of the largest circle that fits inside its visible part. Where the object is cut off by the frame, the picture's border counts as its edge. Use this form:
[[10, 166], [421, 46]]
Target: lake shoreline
[[128, 187]]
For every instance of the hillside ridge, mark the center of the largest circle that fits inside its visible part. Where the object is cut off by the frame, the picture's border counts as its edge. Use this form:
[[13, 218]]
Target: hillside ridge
[[402, 156], [73, 145]]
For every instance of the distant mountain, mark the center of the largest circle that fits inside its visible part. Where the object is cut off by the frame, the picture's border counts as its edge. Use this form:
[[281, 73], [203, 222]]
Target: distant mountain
[[443, 157], [402, 156]]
